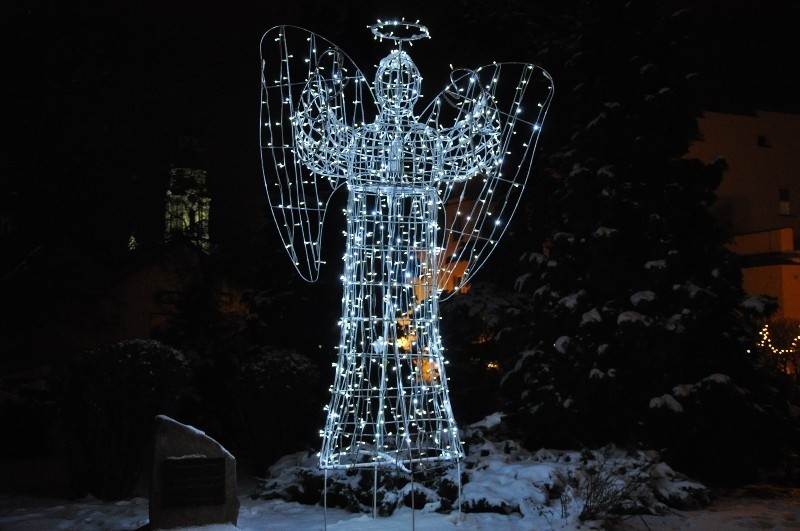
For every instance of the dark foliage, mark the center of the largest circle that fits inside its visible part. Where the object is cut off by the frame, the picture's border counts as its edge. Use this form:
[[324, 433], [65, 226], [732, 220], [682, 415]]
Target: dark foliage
[[110, 398], [275, 404], [469, 322], [27, 402], [259, 368], [632, 294]]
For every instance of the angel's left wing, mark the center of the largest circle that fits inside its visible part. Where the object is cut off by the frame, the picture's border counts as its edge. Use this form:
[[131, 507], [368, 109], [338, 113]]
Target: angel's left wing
[[312, 97], [489, 119]]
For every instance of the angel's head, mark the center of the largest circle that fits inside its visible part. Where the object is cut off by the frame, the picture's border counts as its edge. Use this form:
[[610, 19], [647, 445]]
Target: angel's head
[[397, 83]]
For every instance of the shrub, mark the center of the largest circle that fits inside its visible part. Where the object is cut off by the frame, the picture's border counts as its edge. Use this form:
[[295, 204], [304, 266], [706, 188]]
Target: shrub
[[276, 403], [110, 397]]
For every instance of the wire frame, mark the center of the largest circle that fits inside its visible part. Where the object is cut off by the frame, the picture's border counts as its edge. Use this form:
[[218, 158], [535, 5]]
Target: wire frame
[[427, 201]]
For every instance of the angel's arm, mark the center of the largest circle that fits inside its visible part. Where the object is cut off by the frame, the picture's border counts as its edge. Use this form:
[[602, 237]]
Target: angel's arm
[[321, 137], [472, 145]]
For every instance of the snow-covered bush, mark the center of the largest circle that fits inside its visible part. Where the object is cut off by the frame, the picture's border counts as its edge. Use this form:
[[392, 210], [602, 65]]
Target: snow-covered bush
[[500, 477], [709, 424], [297, 477], [110, 397]]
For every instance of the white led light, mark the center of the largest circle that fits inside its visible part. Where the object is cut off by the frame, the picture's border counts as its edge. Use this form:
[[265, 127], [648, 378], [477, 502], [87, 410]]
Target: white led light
[[425, 196]]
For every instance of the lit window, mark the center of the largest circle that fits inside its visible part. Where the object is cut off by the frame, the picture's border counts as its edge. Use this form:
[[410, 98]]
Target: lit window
[[783, 202]]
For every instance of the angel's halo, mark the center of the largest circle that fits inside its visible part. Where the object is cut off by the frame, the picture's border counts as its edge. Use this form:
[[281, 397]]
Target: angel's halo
[[408, 31]]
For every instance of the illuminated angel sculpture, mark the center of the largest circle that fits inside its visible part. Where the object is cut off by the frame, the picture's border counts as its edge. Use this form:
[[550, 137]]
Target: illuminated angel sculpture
[[427, 201]]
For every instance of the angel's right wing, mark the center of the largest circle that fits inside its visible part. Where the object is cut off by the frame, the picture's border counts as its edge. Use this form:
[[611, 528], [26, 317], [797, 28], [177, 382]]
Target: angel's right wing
[[496, 113], [312, 98]]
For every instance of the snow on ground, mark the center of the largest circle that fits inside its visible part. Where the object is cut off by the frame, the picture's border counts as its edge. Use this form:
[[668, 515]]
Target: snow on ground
[[776, 509], [546, 489], [760, 508], [31, 514]]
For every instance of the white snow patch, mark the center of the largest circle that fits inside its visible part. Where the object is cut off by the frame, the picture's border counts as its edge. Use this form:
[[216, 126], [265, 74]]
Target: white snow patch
[[570, 301], [520, 362], [673, 324], [561, 344], [604, 232], [536, 257], [519, 283], [199, 433], [633, 317], [596, 374], [693, 290], [606, 171], [592, 316], [656, 264], [640, 296], [576, 169], [489, 421], [667, 401], [687, 389], [596, 120], [718, 378], [647, 68], [754, 303]]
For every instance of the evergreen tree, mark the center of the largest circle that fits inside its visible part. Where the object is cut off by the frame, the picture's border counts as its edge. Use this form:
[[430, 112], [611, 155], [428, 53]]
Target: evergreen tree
[[634, 329]]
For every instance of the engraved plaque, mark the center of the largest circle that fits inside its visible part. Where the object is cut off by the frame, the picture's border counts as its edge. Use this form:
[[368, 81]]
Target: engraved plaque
[[193, 481]]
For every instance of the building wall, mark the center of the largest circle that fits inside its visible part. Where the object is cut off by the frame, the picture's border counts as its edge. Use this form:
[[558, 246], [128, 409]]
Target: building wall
[[759, 197], [790, 296], [780, 281], [764, 242], [763, 156]]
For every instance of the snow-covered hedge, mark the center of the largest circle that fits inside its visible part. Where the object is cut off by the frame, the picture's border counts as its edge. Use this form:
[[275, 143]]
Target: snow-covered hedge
[[502, 477]]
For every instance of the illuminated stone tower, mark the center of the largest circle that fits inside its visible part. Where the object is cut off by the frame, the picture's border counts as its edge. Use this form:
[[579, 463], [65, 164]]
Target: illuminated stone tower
[[187, 207]]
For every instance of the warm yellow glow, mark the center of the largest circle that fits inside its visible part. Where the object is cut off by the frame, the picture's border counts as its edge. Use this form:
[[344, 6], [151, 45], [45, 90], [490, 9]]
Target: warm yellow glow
[[766, 342], [786, 359], [428, 370]]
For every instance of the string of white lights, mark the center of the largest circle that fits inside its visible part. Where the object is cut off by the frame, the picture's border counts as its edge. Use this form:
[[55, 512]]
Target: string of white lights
[[427, 202]]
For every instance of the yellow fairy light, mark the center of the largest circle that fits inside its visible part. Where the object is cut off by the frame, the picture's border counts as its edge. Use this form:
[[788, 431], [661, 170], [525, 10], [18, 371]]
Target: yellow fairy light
[[766, 343]]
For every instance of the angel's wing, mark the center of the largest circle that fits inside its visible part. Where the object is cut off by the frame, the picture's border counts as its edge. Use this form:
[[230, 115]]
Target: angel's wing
[[312, 96], [490, 119]]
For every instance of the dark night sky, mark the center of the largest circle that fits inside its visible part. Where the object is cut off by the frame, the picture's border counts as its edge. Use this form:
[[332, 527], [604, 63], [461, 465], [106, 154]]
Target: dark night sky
[[100, 91]]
